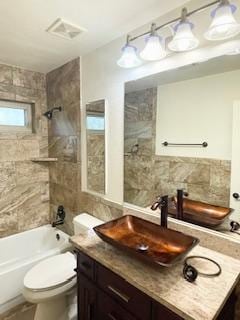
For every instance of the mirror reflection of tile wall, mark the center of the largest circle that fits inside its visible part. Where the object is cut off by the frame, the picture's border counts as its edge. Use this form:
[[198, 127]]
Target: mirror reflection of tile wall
[[147, 175], [149, 170], [95, 124]]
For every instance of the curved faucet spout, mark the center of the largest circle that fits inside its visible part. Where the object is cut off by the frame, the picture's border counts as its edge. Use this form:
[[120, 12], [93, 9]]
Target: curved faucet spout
[[162, 204]]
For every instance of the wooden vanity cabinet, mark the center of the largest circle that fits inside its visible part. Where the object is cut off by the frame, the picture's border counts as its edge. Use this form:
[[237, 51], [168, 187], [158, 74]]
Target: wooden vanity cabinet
[[103, 295], [87, 298]]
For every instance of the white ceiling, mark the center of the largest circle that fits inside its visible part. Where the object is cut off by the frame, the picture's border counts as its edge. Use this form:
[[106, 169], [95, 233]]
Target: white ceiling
[[24, 41]]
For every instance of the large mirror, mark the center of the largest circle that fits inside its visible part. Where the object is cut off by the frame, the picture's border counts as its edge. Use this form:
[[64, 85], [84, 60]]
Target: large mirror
[[179, 135], [95, 130]]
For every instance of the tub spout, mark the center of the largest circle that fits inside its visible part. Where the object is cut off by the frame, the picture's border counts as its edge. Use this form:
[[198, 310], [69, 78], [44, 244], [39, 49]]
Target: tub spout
[[57, 223]]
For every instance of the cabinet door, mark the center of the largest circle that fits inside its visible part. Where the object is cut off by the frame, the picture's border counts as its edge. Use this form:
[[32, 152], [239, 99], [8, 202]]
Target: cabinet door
[[162, 313], [109, 309], [87, 296], [126, 295]]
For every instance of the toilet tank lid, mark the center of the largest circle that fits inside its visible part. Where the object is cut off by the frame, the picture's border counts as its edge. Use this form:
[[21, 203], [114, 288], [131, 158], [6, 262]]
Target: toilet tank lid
[[86, 220]]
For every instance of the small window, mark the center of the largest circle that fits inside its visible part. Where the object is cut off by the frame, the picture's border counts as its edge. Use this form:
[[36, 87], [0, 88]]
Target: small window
[[15, 116], [95, 123]]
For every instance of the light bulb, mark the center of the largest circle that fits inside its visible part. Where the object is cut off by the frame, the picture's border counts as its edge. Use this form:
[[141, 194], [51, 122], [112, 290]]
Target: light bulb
[[184, 39], [154, 49], [129, 58], [224, 25]]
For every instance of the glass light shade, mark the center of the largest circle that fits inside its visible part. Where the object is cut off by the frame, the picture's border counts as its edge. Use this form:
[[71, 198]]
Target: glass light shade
[[154, 49], [129, 58], [224, 25], [184, 39]]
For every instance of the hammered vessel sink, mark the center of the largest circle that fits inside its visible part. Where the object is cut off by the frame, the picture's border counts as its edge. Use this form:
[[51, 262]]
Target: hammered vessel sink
[[146, 241]]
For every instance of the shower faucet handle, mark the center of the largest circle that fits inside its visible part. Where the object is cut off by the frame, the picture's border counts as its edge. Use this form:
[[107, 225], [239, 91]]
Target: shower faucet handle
[[61, 212]]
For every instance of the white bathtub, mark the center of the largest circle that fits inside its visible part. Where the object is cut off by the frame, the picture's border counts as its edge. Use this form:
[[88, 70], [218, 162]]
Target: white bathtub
[[18, 253]]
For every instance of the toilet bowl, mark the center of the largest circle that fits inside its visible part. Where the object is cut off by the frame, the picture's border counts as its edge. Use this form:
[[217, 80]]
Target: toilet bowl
[[52, 283], [48, 283]]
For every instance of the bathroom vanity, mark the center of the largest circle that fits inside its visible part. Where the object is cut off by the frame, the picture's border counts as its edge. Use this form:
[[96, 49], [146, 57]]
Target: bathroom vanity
[[115, 286]]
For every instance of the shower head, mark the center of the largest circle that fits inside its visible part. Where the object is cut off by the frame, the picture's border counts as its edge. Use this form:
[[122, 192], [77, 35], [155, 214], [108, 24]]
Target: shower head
[[49, 113]]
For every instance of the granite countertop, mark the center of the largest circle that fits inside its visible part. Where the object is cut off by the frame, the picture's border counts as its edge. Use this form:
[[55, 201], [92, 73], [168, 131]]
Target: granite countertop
[[202, 300]]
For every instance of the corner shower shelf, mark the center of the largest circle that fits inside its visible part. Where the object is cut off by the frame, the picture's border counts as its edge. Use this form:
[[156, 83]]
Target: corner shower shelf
[[44, 159]]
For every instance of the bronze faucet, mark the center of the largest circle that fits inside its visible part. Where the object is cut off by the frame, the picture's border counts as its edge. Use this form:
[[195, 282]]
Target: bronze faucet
[[60, 217], [180, 195], [162, 204]]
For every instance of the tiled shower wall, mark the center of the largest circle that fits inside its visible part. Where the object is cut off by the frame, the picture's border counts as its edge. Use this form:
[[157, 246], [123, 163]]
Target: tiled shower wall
[[63, 89], [147, 175], [24, 185]]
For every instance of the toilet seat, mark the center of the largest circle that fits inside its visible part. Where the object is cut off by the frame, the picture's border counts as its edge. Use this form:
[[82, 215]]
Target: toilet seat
[[51, 273]]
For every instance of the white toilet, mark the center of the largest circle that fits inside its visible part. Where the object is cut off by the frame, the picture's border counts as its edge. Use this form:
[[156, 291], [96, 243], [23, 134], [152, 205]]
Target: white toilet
[[51, 282]]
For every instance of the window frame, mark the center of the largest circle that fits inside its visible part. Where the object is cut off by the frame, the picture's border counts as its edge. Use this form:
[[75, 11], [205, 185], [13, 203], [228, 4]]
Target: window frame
[[27, 107]]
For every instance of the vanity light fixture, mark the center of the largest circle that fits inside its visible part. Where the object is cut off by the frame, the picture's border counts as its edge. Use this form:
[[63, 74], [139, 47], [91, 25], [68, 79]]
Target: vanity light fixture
[[154, 49], [129, 58], [184, 39], [224, 25]]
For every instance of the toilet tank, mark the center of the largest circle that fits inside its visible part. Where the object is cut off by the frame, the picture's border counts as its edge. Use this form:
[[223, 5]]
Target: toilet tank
[[83, 222]]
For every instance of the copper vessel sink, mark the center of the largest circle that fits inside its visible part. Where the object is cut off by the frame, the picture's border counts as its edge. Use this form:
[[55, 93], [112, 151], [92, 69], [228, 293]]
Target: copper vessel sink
[[146, 241], [200, 212]]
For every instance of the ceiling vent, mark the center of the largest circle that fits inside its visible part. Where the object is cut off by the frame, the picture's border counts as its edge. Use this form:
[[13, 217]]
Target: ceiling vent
[[64, 29]]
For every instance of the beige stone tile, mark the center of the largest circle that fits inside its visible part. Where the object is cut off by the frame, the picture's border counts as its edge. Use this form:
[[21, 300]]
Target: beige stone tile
[[96, 106], [128, 144], [189, 172], [18, 150], [163, 188], [66, 122], [28, 79], [161, 171], [139, 197], [60, 195], [33, 214], [68, 72], [146, 146], [7, 177], [27, 95], [130, 109], [64, 148], [56, 194], [31, 172], [7, 92], [56, 172], [43, 146], [6, 74], [8, 223], [95, 145], [71, 175], [104, 212], [220, 176], [139, 129]]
